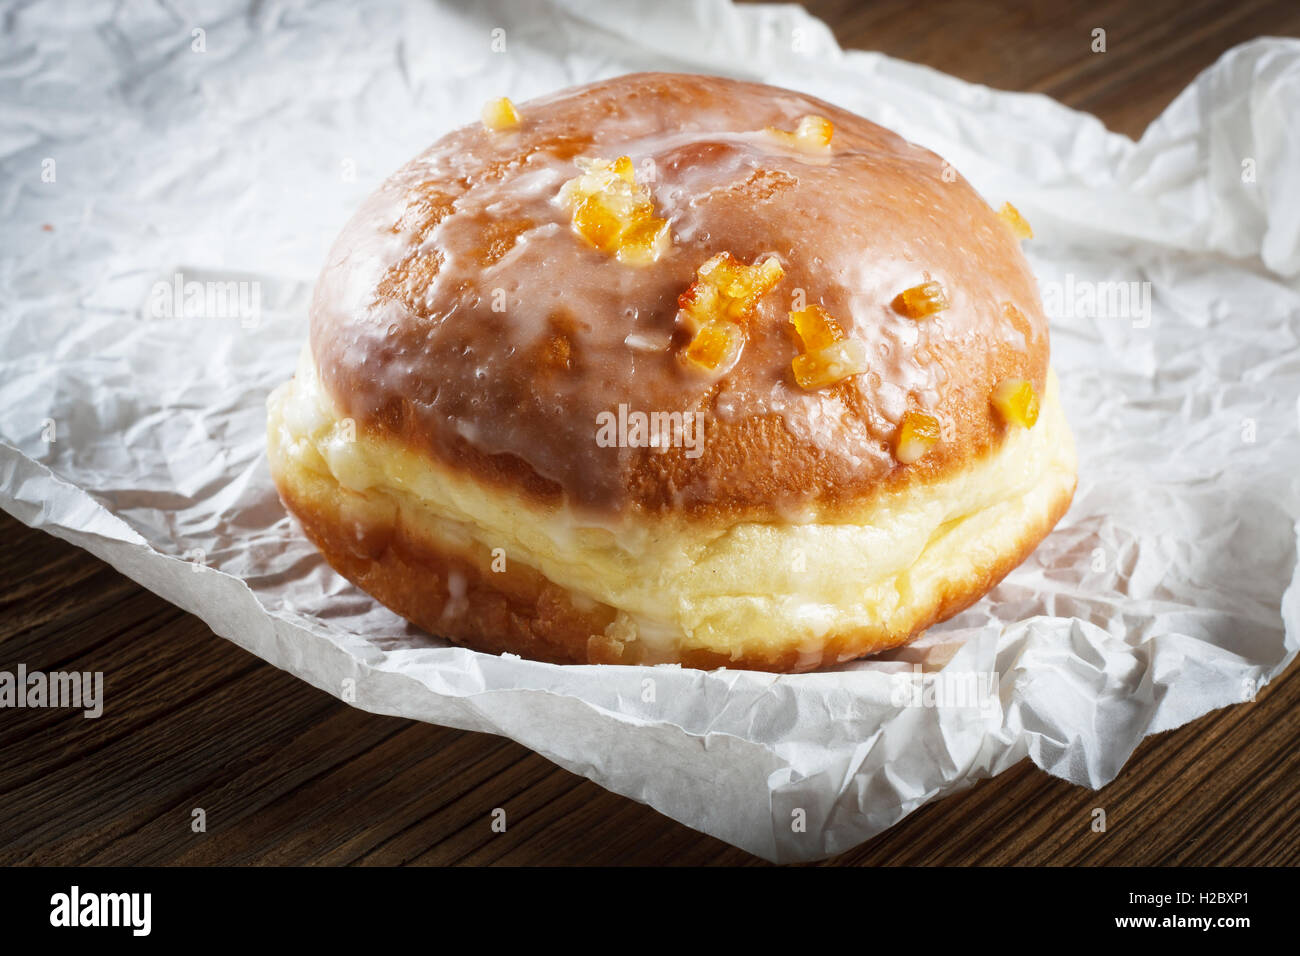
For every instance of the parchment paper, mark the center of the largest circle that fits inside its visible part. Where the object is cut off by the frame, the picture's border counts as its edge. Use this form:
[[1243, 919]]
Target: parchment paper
[[136, 150]]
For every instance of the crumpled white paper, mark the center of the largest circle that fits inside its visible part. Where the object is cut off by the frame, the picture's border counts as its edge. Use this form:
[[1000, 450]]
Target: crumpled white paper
[[138, 146]]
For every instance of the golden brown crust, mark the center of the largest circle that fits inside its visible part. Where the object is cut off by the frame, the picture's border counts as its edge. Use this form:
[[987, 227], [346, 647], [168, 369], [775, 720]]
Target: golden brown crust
[[409, 341]]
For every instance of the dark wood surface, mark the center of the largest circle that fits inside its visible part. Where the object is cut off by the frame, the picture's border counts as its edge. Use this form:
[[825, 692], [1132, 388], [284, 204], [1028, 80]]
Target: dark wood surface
[[286, 774]]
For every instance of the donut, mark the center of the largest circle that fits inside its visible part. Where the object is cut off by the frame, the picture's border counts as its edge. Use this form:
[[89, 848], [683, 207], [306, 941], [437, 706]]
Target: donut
[[675, 369]]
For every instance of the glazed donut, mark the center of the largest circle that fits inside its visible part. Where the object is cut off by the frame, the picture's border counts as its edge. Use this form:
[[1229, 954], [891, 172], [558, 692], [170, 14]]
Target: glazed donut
[[675, 369]]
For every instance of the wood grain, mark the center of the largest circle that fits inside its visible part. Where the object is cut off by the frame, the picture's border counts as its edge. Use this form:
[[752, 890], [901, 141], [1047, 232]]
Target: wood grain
[[286, 774], [1153, 50]]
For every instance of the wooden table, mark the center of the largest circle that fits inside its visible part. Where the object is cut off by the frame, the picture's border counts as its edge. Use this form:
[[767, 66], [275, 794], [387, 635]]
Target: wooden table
[[287, 774]]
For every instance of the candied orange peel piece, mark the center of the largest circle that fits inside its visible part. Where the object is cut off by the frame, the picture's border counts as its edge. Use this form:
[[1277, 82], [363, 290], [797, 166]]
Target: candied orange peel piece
[[715, 346], [1016, 401], [1017, 223], [815, 328], [644, 242], [811, 135], [829, 356], [830, 364], [716, 304], [615, 213], [500, 114], [917, 434], [726, 289], [921, 300]]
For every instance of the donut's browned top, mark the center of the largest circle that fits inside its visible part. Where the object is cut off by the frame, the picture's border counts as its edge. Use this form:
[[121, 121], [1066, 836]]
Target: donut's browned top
[[461, 314]]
